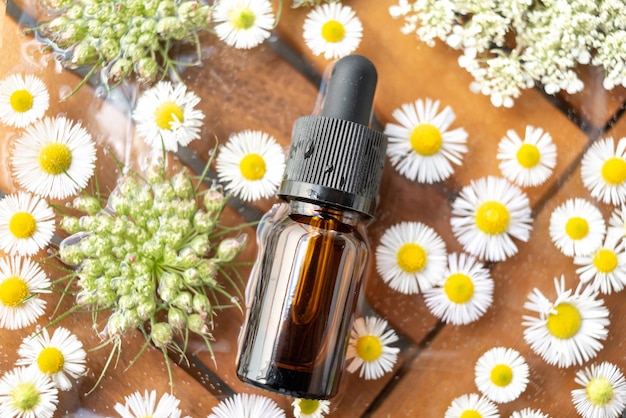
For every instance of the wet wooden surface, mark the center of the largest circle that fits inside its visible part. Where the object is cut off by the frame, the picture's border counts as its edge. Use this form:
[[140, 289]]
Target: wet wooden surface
[[260, 89]]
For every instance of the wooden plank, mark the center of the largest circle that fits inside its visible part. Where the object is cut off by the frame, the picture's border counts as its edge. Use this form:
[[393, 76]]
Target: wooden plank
[[445, 369]]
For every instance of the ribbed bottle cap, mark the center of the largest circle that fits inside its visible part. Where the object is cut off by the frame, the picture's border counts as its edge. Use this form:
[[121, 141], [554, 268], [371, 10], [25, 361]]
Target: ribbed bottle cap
[[335, 158]]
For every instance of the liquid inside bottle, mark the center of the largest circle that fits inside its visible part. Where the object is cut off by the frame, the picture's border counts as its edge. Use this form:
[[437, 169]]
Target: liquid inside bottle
[[305, 285]]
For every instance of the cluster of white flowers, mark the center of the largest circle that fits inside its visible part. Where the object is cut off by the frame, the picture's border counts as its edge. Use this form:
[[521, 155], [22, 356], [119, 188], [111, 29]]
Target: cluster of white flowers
[[511, 45]]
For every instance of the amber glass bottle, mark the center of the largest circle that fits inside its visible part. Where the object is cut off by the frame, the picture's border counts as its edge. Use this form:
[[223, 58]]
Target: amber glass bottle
[[313, 248]]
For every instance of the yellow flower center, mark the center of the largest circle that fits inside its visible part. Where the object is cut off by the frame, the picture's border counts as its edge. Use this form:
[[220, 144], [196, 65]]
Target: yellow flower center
[[576, 228], [614, 171], [21, 101], [50, 360], [252, 167], [605, 260], [565, 322], [22, 225], [528, 155], [308, 406], [55, 158], [471, 413], [411, 257], [426, 139], [501, 375], [369, 348], [167, 114], [333, 31], [599, 391], [13, 291], [459, 288], [492, 217], [25, 397], [242, 17]]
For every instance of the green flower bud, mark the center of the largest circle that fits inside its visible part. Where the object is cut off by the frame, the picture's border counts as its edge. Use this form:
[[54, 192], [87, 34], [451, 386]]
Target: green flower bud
[[74, 12], [192, 277], [170, 256], [109, 48], [70, 224], [84, 53], [171, 28], [148, 27], [194, 14], [134, 52], [201, 305], [73, 32], [168, 294], [183, 301], [146, 309], [176, 318], [229, 248], [196, 324], [86, 222], [147, 69], [214, 200], [55, 26], [126, 302], [155, 172], [119, 70], [87, 299], [171, 280], [186, 209], [132, 318], [87, 204], [152, 248], [162, 334], [164, 191], [166, 8], [182, 185], [91, 268], [188, 258], [116, 325], [148, 41], [200, 245], [94, 28], [203, 222], [208, 271]]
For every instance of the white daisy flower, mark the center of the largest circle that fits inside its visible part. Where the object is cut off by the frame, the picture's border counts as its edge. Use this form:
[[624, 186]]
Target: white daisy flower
[[26, 393], [23, 100], [54, 158], [411, 257], [529, 413], [332, 29], [464, 294], [310, 408], [604, 391], [21, 280], [247, 406], [527, 162], [501, 374], [58, 357], [138, 406], [617, 222], [243, 24], [251, 165], [568, 331], [487, 214], [603, 171], [577, 227], [166, 116], [369, 348], [472, 405], [421, 147], [605, 268], [26, 224]]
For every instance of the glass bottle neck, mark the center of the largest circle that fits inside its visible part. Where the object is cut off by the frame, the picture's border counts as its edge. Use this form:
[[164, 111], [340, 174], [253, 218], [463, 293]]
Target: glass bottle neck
[[347, 217]]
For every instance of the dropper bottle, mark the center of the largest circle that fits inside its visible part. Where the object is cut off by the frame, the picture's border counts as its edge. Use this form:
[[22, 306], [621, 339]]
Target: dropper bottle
[[313, 250]]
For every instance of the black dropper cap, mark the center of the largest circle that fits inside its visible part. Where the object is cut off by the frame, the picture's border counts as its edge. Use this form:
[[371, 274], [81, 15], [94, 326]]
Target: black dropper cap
[[335, 158]]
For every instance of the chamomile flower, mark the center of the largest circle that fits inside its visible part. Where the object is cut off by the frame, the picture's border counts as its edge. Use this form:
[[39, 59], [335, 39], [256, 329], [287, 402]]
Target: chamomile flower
[[465, 292], [487, 214], [21, 280], [58, 357], [138, 406], [26, 393], [167, 117], [26, 224], [501, 374], [369, 348], [243, 24], [472, 405], [411, 257], [54, 158], [310, 408], [617, 222], [605, 268], [243, 405], [23, 100], [603, 170], [421, 147], [251, 165], [604, 391], [528, 161], [568, 331], [332, 29], [529, 413], [577, 227]]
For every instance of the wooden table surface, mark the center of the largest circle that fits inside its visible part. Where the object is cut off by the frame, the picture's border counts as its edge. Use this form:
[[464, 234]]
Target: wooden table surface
[[262, 89]]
